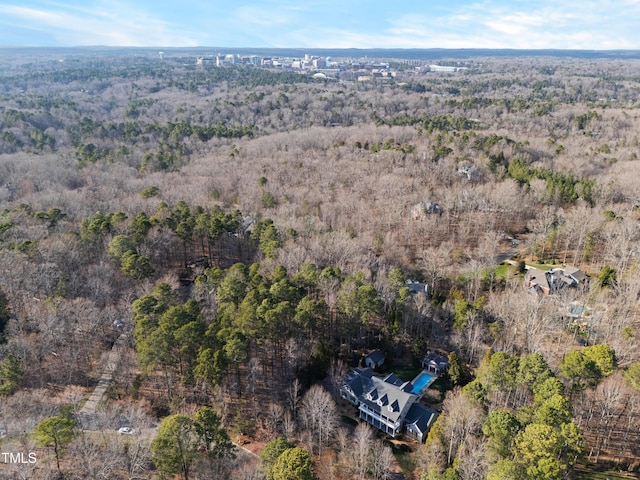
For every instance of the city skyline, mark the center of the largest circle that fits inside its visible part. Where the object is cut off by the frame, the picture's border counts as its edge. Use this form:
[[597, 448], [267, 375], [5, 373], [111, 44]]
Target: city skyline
[[327, 24]]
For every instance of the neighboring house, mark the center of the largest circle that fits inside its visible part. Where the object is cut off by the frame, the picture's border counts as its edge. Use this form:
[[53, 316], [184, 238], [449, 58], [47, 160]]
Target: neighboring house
[[535, 281], [514, 241], [435, 363], [417, 287], [374, 360], [574, 274], [554, 280], [422, 209], [469, 171], [388, 403]]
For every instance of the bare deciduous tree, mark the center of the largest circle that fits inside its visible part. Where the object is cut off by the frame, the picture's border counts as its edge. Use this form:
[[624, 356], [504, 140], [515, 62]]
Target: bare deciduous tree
[[361, 450], [293, 396], [381, 461], [318, 414], [462, 418], [274, 420]]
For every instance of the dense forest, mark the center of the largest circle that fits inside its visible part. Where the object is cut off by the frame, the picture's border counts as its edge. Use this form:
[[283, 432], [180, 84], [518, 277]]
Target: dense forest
[[193, 257]]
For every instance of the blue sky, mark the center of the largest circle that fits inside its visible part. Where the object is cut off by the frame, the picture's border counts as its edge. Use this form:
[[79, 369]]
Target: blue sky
[[567, 24]]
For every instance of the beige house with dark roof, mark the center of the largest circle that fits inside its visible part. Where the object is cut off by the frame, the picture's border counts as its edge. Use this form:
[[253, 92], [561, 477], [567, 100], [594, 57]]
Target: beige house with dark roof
[[553, 280]]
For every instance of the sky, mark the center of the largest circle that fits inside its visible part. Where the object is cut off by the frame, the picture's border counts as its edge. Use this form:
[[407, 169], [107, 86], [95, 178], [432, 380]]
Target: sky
[[518, 24]]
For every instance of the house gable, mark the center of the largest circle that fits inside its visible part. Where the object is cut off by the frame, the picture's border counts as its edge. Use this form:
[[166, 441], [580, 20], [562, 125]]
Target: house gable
[[419, 420], [355, 385], [435, 363], [554, 280], [375, 359]]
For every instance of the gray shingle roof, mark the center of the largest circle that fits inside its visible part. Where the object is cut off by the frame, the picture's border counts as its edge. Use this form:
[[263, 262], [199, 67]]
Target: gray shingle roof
[[377, 356], [437, 360], [358, 381], [387, 399], [420, 417]]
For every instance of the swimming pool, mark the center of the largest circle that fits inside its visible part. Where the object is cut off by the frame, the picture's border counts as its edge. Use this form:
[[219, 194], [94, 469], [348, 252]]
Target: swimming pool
[[421, 382], [577, 309]]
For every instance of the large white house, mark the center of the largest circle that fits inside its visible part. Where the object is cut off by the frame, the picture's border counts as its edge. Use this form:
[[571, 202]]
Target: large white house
[[388, 403]]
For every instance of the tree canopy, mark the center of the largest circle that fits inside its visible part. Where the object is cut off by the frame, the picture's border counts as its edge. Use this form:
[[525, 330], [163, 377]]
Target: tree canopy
[[293, 464]]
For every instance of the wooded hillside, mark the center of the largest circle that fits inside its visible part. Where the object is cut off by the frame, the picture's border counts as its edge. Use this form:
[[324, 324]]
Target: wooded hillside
[[248, 234]]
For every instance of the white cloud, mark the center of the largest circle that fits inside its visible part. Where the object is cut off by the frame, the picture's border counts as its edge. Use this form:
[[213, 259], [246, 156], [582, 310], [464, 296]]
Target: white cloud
[[589, 24], [97, 26], [519, 25]]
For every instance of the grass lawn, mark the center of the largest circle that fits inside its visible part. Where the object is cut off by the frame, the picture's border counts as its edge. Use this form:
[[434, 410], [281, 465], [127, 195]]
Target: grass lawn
[[405, 372], [404, 454], [610, 475], [405, 460], [543, 266], [501, 270], [442, 384]]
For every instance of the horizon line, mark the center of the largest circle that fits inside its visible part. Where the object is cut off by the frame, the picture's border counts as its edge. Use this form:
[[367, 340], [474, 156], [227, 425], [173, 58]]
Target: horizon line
[[322, 48]]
